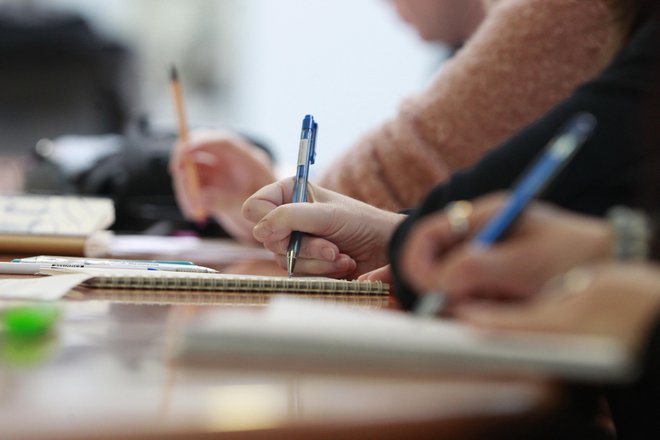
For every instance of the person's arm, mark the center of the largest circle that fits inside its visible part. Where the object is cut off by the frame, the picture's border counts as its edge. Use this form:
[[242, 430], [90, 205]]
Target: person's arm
[[525, 57]]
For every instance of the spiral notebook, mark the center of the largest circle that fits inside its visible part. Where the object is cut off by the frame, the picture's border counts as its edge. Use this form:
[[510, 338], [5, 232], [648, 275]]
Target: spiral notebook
[[187, 281], [230, 299]]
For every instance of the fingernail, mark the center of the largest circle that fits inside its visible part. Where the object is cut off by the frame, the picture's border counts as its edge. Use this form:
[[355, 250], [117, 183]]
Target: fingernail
[[328, 254], [262, 230]]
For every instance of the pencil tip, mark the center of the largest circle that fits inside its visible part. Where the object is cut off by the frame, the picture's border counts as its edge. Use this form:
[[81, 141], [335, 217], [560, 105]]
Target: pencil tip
[[174, 74]]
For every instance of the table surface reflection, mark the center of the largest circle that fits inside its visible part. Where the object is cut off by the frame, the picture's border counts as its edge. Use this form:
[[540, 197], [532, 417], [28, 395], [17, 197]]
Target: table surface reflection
[[110, 371]]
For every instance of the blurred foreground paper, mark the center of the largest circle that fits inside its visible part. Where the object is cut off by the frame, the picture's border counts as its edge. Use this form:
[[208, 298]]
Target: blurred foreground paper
[[58, 225], [335, 338], [49, 288]]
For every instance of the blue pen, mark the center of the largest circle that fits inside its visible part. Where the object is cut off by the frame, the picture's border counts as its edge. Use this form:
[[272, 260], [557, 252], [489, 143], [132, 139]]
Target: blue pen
[[555, 156], [306, 155]]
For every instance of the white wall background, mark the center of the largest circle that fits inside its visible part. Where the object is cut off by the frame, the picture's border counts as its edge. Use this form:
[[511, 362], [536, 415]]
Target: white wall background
[[261, 65], [347, 62]]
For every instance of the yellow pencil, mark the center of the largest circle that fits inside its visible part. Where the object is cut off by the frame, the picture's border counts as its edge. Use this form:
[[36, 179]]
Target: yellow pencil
[[192, 180]]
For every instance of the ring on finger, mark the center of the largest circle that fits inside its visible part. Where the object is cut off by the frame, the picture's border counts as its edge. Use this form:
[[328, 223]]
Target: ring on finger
[[458, 215]]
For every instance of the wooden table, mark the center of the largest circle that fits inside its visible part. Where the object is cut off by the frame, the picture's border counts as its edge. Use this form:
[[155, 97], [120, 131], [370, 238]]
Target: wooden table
[[109, 371]]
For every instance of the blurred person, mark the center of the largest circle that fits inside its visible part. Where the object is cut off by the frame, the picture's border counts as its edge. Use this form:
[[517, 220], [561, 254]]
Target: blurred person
[[526, 56], [515, 285], [349, 238]]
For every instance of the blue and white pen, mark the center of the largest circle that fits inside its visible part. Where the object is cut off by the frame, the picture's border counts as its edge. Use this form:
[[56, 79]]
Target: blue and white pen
[[306, 155], [554, 158], [48, 261]]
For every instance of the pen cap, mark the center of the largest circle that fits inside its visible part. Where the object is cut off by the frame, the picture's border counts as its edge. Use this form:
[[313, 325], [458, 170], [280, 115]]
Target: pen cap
[[308, 122], [312, 126]]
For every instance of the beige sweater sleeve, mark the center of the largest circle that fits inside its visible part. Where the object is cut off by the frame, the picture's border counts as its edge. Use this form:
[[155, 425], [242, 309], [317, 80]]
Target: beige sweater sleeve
[[525, 57]]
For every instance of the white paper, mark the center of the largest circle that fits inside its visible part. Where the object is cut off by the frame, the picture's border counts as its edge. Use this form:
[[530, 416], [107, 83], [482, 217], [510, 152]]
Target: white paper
[[49, 288], [191, 248]]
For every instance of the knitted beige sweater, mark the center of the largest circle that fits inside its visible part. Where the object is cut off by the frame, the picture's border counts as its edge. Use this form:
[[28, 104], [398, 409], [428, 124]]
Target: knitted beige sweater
[[525, 57]]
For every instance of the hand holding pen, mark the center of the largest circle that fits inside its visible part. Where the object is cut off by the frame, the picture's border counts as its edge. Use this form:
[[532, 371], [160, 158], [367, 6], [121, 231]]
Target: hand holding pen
[[306, 156], [556, 155]]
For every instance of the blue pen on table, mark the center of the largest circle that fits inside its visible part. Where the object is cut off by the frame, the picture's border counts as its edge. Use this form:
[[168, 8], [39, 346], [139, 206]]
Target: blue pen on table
[[306, 155], [554, 158], [35, 267]]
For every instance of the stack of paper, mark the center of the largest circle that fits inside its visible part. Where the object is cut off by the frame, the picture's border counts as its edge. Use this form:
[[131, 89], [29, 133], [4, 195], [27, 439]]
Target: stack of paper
[[60, 225]]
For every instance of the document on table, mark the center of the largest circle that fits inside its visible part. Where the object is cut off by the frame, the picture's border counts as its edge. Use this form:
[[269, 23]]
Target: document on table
[[48, 288]]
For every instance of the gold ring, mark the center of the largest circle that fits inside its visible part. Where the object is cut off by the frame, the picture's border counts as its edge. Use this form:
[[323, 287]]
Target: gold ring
[[458, 215]]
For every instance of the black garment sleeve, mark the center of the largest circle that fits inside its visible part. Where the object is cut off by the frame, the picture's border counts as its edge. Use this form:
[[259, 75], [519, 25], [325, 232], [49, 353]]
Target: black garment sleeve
[[606, 171]]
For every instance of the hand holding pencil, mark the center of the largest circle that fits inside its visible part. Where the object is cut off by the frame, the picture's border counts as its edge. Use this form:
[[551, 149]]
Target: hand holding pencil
[[215, 171], [194, 204]]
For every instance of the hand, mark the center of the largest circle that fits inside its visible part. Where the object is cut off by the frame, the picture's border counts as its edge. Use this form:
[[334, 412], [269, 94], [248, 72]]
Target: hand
[[345, 238], [615, 300], [542, 243], [230, 169]]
